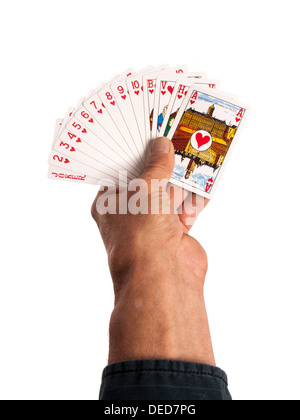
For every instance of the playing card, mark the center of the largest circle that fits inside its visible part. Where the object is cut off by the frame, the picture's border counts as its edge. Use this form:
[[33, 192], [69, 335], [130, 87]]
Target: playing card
[[59, 174], [84, 165], [135, 89], [179, 93], [94, 114], [61, 168], [122, 96], [93, 146], [73, 147], [203, 134], [165, 84], [102, 126], [55, 172], [58, 125], [149, 88], [77, 132], [110, 103]]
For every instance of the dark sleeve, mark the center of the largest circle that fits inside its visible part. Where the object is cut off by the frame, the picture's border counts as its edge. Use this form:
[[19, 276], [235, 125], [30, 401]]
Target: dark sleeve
[[163, 380]]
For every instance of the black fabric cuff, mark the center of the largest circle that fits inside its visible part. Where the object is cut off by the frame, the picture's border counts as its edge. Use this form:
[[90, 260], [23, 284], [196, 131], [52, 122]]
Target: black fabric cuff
[[163, 380]]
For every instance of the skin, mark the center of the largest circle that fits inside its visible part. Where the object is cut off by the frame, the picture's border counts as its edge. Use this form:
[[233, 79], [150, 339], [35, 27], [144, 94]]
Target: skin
[[158, 271]]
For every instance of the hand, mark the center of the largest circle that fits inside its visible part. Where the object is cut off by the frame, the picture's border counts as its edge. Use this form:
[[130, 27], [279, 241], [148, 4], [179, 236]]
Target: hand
[[157, 268]]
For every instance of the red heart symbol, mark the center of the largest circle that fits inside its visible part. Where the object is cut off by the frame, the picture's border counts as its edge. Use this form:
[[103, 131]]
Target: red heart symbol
[[179, 96], [67, 161], [192, 102], [170, 89], [209, 184], [123, 97], [137, 92], [163, 93], [142, 88], [202, 140], [78, 140], [100, 111], [237, 120], [72, 149], [103, 106], [113, 103], [84, 130], [151, 91], [91, 120]]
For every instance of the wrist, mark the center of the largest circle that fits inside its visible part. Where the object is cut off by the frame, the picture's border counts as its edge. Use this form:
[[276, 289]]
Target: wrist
[[134, 273]]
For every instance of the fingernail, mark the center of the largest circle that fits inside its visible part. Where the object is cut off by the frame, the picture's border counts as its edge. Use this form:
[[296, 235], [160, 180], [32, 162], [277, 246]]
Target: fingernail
[[161, 145]]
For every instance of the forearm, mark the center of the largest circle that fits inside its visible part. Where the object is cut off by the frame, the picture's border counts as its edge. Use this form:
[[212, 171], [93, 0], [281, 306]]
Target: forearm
[[160, 314], [160, 345]]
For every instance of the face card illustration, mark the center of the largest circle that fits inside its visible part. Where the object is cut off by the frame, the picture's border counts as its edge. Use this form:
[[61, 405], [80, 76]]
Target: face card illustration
[[164, 91], [180, 91], [203, 134], [165, 86], [149, 86]]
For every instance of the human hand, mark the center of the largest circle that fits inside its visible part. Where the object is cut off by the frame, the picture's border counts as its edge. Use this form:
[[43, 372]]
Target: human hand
[[158, 269]]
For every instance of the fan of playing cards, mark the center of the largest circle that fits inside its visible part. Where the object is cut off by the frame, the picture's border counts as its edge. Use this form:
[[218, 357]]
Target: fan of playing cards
[[110, 130]]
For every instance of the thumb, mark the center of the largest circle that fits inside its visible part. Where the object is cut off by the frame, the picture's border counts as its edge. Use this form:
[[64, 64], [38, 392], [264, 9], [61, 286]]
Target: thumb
[[160, 161]]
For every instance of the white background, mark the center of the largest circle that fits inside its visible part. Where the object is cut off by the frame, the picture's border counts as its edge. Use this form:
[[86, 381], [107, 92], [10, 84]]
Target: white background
[[55, 291]]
